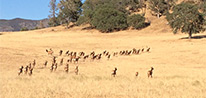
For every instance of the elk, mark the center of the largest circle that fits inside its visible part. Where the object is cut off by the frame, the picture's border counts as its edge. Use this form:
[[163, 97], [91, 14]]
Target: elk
[[104, 52], [45, 64], [61, 62], [76, 70], [87, 56], [129, 52], [99, 56], [60, 52], [26, 69], [52, 67], [66, 69], [20, 70], [74, 55], [76, 60], [34, 63], [136, 74], [108, 56], [30, 71], [67, 52], [115, 53], [54, 59], [142, 49], [50, 51], [150, 72], [134, 51], [29, 66], [114, 72], [138, 51], [92, 54], [55, 66], [81, 53], [94, 57], [148, 49]]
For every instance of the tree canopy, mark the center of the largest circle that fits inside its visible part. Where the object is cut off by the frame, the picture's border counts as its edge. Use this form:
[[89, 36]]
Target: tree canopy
[[186, 18]]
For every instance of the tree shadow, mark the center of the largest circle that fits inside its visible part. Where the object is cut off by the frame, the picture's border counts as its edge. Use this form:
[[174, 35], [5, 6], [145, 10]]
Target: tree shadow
[[195, 37], [70, 26], [88, 28]]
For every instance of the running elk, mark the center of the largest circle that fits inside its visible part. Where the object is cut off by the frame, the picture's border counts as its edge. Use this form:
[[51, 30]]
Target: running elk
[[20, 70], [76, 70], [150, 72], [66, 69], [50, 51], [114, 72]]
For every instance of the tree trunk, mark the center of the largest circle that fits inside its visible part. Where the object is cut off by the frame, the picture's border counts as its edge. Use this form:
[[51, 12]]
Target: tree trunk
[[190, 35], [67, 25], [158, 15]]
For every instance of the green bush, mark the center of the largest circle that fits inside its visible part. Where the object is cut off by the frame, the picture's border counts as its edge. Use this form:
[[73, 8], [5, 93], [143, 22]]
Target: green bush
[[24, 29], [108, 19], [136, 21]]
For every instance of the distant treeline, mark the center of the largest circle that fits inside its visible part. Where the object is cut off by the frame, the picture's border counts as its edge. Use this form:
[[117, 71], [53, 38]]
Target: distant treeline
[[114, 15]]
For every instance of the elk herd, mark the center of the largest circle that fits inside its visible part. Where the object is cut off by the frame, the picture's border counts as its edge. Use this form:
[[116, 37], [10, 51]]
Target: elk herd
[[70, 57]]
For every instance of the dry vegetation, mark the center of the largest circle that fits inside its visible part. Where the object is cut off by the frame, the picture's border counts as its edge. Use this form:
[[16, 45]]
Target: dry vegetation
[[179, 64]]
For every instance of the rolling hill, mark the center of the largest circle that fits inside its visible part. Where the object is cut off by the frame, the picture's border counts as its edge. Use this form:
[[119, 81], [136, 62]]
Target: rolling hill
[[18, 23]]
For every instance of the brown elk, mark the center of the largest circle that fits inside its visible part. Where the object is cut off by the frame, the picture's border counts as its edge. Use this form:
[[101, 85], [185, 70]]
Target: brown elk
[[76, 70], [60, 52], [148, 49], [138, 51], [20, 70], [136, 74], [114, 72], [142, 49], [52, 67], [107, 53], [81, 53], [26, 69], [29, 66], [45, 64], [66, 69], [108, 56], [150, 72], [85, 57], [55, 66], [76, 60], [50, 51], [129, 52], [134, 51], [92, 53], [99, 56], [30, 71], [34, 63], [61, 61], [115, 53], [67, 52], [94, 57], [54, 59]]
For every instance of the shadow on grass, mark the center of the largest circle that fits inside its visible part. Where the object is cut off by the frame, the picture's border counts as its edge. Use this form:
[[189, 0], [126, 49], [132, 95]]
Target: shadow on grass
[[195, 37], [88, 28]]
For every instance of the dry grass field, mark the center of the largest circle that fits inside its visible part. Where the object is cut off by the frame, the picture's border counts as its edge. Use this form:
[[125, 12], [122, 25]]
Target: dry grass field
[[179, 64]]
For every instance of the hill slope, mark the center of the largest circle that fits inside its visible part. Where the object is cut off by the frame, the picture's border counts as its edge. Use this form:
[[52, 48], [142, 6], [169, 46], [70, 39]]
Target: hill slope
[[179, 65], [18, 23]]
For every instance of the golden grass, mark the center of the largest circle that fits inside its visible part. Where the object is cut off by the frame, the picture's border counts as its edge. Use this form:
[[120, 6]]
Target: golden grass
[[179, 65]]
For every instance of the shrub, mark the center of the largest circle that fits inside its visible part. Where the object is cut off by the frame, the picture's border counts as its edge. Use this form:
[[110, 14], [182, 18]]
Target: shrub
[[24, 29], [136, 21]]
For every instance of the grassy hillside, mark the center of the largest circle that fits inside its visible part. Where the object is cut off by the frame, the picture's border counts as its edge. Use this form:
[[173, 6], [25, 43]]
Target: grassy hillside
[[179, 64]]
